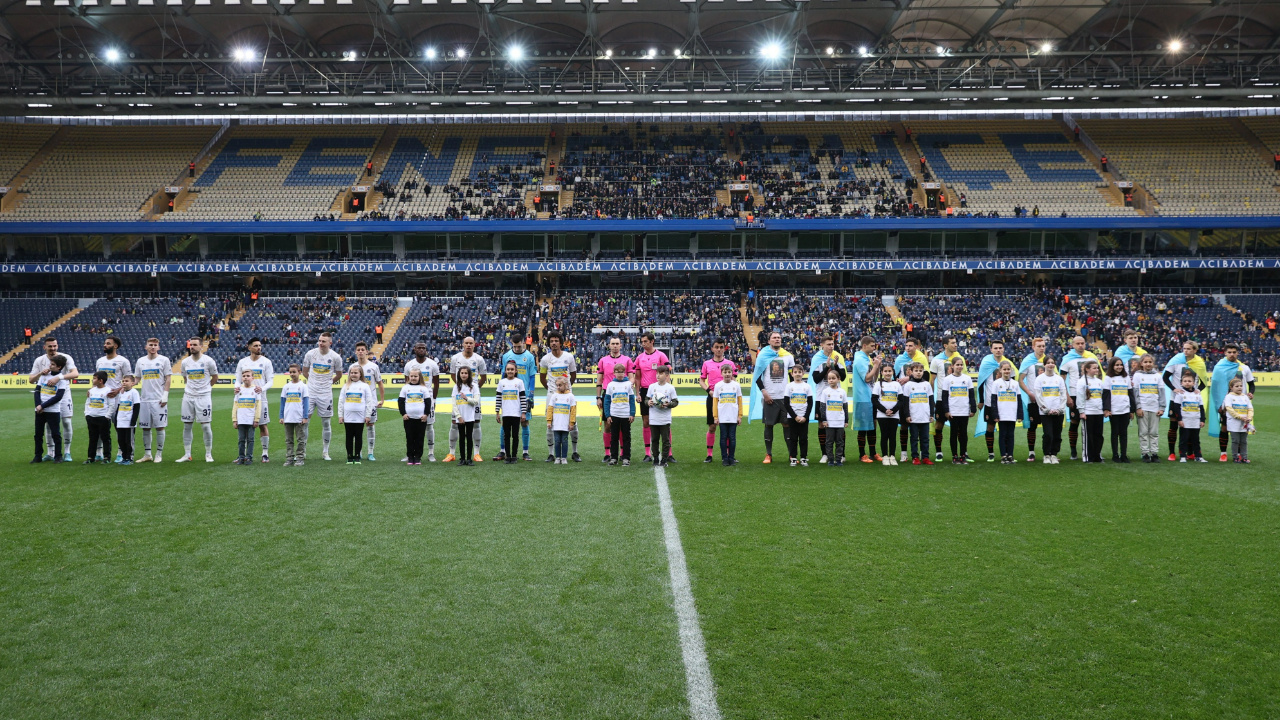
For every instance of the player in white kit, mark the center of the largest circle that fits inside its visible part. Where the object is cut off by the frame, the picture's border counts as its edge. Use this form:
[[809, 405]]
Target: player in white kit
[[322, 367], [264, 374], [116, 366], [40, 374], [155, 373], [430, 371], [200, 374]]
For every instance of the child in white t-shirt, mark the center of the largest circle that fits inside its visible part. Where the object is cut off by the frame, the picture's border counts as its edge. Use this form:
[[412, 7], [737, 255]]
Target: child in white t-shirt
[[1051, 398], [1239, 411], [128, 409], [246, 409], [97, 416], [799, 407], [1188, 410], [885, 395], [415, 407], [1004, 405], [1149, 403], [833, 413], [919, 412], [562, 418], [510, 405], [661, 399], [956, 402], [466, 410], [295, 411], [728, 397], [620, 398]]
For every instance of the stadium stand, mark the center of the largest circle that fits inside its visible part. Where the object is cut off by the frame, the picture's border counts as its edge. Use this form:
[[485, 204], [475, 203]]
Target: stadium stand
[[998, 165], [443, 320], [290, 326], [18, 144], [694, 317], [1191, 167], [171, 319], [280, 172], [453, 171], [978, 318], [804, 318], [36, 313], [107, 173]]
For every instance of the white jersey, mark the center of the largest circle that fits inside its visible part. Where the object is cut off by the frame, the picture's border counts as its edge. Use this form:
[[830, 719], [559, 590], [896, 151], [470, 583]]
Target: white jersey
[[372, 374], [41, 366], [937, 369], [323, 371], [775, 386], [559, 367], [833, 399], [427, 368], [886, 394], [955, 388], [97, 404], [1239, 404], [919, 401], [153, 374], [1089, 395], [358, 402], [728, 395], [620, 398], [562, 405], [1051, 393], [198, 375], [507, 397], [125, 403], [657, 393], [294, 402], [475, 362], [1119, 387], [1192, 406], [1072, 369], [115, 368], [264, 373], [798, 394], [1007, 398], [247, 407], [415, 400], [466, 402], [1150, 391]]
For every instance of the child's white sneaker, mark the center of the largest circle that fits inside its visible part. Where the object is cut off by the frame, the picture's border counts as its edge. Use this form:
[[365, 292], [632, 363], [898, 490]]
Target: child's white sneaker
[[794, 462], [822, 460]]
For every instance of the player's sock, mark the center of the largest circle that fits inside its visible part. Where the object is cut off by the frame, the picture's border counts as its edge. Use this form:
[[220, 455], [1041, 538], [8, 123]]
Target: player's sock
[[903, 436], [648, 438], [768, 439], [871, 440], [266, 441], [188, 434], [524, 437], [937, 437], [160, 440], [991, 439], [1173, 439], [1031, 439], [1223, 437], [478, 433], [573, 437], [373, 434], [453, 438], [1073, 436], [207, 429], [711, 442], [608, 441], [326, 433], [67, 433], [862, 443], [146, 441], [431, 438], [551, 442]]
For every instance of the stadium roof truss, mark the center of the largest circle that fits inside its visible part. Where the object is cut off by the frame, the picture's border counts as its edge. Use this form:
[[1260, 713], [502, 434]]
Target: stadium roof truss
[[90, 56]]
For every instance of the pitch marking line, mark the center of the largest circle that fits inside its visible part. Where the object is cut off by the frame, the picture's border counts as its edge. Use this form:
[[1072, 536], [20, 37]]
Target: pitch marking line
[[697, 673]]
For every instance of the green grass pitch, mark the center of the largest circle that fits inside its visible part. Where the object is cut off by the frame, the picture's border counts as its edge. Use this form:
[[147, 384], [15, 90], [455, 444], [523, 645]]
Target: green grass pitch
[[538, 591]]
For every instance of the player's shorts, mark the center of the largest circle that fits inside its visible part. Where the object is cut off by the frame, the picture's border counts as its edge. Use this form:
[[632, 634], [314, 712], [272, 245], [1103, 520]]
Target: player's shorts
[[773, 413], [153, 415], [1033, 414], [864, 417], [644, 402], [197, 409], [711, 411], [266, 412], [322, 404]]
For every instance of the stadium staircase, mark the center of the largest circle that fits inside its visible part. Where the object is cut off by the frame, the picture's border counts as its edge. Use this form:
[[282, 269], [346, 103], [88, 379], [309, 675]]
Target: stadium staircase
[[13, 198], [910, 155], [389, 329], [1142, 200], [185, 179], [39, 334], [724, 198], [1250, 137], [751, 333], [386, 145]]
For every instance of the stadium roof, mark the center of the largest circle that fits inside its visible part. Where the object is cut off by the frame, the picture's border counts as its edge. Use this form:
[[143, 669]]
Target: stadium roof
[[88, 54]]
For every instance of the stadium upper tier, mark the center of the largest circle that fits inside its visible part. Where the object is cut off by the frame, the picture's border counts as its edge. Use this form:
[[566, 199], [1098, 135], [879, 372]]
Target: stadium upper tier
[[636, 170]]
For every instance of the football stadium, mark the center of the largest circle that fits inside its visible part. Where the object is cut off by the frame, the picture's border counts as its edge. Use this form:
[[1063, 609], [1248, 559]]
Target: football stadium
[[639, 359]]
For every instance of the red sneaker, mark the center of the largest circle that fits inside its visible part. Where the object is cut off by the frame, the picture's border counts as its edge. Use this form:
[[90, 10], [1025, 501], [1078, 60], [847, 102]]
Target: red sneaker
[[927, 461], [876, 458], [1173, 457], [864, 459], [915, 461], [1223, 458], [768, 460]]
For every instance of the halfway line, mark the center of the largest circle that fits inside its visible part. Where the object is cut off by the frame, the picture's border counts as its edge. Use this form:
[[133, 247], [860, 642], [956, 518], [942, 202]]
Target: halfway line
[[697, 673]]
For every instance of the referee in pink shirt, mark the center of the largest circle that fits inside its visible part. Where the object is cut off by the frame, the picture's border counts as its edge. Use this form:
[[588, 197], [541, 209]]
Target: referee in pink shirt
[[710, 375]]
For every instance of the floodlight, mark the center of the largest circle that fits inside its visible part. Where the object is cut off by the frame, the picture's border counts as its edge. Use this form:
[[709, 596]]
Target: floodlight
[[771, 51], [515, 52], [111, 55], [1046, 48], [430, 53], [1175, 46]]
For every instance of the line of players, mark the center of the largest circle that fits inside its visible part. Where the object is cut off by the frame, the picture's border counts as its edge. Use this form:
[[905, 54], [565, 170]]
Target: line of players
[[873, 400]]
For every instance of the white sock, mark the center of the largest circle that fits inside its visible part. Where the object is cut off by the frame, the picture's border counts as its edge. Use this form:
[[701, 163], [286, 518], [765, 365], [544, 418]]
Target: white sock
[[453, 438], [373, 433], [159, 440], [551, 441], [327, 434], [66, 433], [478, 433], [188, 434], [146, 441], [208, 437], [266, 440], [573, 436], [431, 438]]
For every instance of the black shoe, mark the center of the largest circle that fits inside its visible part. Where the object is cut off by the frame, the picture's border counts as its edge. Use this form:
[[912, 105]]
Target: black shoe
[[551, 457], [87, 462], [707, 460], [670, 460], [36, 460], [606, 458], [576, 457], [58, 459], [647, 458]]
